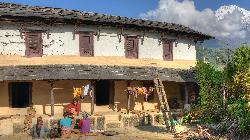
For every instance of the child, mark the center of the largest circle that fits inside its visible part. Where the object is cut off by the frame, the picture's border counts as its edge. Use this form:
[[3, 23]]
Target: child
[[65, 125], [39, 130], [84, 123]]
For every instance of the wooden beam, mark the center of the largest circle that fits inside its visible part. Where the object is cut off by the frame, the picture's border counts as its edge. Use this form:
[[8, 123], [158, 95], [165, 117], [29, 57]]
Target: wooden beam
[[128, 97], [52, 99], [93, 98], [186, 94]]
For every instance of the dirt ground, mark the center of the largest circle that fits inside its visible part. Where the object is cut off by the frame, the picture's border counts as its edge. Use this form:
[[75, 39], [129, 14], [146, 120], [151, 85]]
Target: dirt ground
[[138, 133]]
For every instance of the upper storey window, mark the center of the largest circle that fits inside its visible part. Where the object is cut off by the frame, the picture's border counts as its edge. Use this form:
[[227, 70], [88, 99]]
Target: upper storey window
[[86, 45], [33, 42], [131, 46], [168, 50]]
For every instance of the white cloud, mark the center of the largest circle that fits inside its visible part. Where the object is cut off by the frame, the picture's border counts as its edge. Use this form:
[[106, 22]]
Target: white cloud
[[228, 27]]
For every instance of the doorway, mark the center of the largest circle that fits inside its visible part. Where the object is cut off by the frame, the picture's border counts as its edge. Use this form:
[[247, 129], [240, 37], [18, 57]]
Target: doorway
[[20, 94], [102, 90]]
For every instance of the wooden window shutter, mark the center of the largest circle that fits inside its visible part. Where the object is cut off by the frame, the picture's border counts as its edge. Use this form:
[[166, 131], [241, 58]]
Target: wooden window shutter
[[168, 50], [33, 41], [86, 45], [131, 47]]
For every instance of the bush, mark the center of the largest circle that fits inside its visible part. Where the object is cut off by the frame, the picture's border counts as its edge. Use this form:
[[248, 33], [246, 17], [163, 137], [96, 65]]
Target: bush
[[210, 82], [233, 111]]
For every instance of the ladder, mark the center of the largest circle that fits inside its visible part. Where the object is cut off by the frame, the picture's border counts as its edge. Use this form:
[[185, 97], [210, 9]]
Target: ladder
[[164, 107]]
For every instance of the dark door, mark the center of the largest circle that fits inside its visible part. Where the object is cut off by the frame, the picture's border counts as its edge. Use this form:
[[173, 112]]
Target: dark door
[[168, 50], [33, 41], [102, 89], [86, 44], [131, 47], [20, 94]]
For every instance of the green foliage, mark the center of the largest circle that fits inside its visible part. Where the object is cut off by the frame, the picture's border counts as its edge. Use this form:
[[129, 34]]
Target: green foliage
[[241, 59], [239, 110], [159, 118], [235, 79], [186, 118], [211, 82]]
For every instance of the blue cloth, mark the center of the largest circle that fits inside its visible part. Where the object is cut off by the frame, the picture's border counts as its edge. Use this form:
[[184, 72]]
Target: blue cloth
[[66, 122]]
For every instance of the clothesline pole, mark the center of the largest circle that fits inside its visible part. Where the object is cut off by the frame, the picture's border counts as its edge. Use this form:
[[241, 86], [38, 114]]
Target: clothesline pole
[[92, 99], [128, 102], [52, 98], [128, 96]]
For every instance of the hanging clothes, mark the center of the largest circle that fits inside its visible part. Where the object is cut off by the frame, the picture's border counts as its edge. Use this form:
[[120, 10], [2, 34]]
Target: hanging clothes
[[86, 91], [140, 91], [77, 92]]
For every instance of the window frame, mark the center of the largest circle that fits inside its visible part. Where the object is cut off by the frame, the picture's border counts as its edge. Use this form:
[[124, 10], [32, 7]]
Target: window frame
[[81, 46], [28, 50], [170, 44], [136, 46]]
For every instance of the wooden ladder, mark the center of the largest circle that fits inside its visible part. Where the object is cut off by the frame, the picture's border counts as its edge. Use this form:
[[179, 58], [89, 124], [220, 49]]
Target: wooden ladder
[[164, 107]]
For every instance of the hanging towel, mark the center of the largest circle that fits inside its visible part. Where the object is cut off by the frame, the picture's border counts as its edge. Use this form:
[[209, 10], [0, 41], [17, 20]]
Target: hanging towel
[[86, 89]]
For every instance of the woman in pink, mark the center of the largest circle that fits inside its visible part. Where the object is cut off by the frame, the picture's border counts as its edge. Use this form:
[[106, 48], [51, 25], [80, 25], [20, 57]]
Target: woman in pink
[[84, 123]]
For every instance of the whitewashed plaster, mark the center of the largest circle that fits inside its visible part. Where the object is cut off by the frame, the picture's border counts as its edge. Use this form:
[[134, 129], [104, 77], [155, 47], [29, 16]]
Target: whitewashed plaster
[[11, 42], [108, 43], [184, 51], [151, 48], [60, 41]]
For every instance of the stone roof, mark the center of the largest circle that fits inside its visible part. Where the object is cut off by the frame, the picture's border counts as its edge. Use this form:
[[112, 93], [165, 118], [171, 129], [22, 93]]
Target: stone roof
[[93, 72], [49, 15]]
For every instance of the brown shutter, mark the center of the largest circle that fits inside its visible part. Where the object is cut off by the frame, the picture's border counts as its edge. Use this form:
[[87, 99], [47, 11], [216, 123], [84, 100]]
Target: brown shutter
[[168, 50], [86, 45], [131, 47], [33, 41]]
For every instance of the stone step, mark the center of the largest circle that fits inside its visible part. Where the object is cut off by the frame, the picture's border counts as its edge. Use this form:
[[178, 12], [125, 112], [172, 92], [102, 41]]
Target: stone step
[[115, 117]]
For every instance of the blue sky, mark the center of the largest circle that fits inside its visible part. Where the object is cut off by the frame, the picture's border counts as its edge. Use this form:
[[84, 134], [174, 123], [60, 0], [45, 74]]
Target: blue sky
[[129, 8]]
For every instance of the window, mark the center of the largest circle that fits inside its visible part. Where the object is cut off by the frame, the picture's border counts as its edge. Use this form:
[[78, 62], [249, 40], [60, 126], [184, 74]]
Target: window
[[20, 94], [131, 46], [33, 41], [86, 45], [168, 50]]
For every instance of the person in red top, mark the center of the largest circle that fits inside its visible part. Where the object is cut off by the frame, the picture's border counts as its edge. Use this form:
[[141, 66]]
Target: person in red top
[[73, 108]]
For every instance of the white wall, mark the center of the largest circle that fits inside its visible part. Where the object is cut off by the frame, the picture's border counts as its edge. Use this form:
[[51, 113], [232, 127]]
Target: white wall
[[184, 51], [108, 43], [151, 48], [61, 42], [11, 42]]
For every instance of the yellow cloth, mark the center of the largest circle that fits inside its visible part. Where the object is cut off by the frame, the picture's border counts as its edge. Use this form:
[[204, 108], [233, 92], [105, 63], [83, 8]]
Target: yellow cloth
[[77, 92]]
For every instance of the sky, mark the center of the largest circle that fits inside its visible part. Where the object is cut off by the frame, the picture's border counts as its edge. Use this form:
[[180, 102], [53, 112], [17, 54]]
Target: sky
[[205, 16], [129, 8]]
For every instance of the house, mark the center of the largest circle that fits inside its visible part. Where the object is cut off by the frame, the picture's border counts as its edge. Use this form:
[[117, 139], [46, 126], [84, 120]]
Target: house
[[42, 48]]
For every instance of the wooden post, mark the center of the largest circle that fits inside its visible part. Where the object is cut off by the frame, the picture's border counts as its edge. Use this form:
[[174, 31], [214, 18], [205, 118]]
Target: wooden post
[[186, 94], [128, 102], [52, 99], [128, 97], [93, 98], [111, 94]]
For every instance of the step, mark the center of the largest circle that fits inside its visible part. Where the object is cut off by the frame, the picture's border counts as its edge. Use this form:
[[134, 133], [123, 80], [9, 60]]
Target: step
[[115, 117]]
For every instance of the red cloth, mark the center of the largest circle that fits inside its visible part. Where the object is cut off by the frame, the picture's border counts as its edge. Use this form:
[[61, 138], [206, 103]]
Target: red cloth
[[80, 124], [71, 106]]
